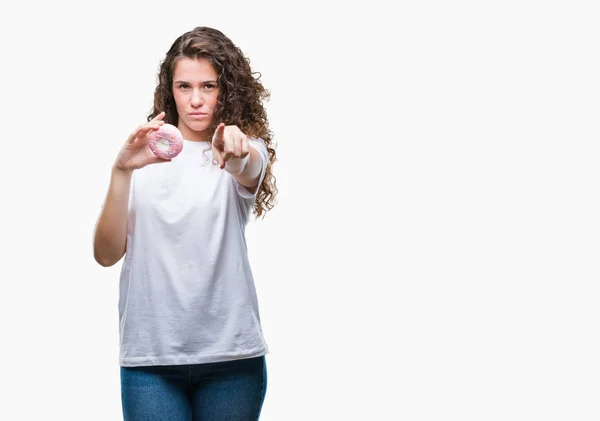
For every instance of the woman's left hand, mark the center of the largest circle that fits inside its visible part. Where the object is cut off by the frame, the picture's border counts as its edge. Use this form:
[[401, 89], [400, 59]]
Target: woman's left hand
[[229, 143]]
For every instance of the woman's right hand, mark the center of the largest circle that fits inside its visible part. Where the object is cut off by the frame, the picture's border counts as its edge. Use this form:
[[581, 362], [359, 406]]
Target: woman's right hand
[[136, 153]]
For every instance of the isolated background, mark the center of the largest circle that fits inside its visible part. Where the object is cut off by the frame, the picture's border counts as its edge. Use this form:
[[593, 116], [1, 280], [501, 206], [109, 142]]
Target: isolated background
[[434, 252]]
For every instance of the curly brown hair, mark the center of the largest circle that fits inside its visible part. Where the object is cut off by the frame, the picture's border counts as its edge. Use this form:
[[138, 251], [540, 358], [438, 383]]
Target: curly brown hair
[[240, 100]]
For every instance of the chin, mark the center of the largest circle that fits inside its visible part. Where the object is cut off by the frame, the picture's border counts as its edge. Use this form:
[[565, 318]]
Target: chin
[[197, 126]]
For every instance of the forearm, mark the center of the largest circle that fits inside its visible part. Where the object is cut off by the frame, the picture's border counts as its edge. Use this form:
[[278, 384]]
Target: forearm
[[110, 237], [247, 170]]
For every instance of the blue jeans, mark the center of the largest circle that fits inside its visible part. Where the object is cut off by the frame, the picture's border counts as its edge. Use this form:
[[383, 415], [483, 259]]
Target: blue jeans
[[223, 391]]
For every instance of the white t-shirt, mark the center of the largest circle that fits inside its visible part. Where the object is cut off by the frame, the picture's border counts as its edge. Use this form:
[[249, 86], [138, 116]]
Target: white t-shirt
[[187, 295]]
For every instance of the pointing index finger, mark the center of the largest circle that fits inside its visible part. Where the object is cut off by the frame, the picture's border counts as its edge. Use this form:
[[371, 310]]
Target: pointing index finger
[[219, 133]]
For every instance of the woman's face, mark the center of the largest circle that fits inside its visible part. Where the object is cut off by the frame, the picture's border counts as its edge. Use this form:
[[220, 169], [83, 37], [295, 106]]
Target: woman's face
[[195, 90]]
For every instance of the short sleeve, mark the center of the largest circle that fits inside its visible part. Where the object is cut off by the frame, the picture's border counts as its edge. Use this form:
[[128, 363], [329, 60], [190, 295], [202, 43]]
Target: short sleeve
[[260, 146]]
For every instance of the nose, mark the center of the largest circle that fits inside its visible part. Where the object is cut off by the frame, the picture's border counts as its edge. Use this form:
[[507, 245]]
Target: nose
[[196, 99]]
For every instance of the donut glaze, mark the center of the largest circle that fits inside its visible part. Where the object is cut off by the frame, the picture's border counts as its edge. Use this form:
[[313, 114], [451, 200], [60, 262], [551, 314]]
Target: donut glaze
[[166, 142]]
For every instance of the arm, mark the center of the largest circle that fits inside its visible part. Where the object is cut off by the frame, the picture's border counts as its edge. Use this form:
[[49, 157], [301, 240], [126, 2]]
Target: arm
[[246, 170], [110, 236], [231, 149]]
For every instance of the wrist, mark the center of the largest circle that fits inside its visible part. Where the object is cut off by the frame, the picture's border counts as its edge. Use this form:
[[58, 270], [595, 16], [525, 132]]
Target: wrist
[[236, 165], [120, 172]]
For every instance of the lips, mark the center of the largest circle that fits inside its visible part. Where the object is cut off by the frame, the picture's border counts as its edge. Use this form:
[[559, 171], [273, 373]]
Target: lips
[[198, 114]]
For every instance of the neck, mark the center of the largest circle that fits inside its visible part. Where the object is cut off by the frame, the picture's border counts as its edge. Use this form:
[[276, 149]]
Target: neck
[[194, 136]]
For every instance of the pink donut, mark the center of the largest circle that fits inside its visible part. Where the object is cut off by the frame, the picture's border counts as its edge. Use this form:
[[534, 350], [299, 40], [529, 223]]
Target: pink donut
[[166, 142]]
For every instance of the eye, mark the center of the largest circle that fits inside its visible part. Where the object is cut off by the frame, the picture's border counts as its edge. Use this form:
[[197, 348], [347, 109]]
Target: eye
[[184, 86], [209, 87]]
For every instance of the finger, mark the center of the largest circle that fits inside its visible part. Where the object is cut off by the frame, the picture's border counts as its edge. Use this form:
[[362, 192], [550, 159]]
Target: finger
[[134, 135], [218, 137], [153, 123], [218, 158], [157, 160], [143, 130], [152, 158], [245, 146], [148, 128], [153, 126], [159, 116], [229, 148], [237, 146]]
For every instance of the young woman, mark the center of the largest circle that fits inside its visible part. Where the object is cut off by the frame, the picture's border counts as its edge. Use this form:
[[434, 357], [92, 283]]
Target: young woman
[[191, 343]]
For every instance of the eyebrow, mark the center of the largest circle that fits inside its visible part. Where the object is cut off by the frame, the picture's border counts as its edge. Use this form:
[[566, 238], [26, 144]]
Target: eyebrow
[[206, 81]]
